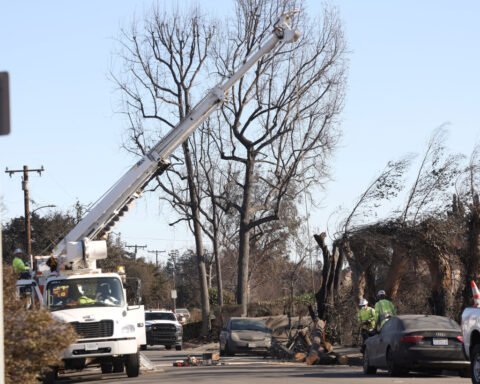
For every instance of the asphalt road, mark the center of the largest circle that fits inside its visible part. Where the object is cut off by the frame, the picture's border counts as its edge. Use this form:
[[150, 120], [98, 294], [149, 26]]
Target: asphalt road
[[248, 369]]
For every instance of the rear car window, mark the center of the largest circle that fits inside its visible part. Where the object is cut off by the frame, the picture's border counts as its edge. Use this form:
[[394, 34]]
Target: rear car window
[[433, 322], [250, 325]]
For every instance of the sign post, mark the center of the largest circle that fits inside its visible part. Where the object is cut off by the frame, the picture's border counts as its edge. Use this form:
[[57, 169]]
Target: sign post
[[174, 297]]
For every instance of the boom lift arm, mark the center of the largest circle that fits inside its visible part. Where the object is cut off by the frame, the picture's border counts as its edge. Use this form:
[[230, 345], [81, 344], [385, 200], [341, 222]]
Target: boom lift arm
[[77, 245]]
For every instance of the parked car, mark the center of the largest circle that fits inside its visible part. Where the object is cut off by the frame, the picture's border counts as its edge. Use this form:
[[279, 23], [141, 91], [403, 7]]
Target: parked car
[[243, 335], [184, 312], [162, 328], [416, 342]]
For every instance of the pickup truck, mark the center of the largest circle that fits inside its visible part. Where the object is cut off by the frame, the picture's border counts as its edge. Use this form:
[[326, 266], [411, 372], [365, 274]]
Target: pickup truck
[[471, 335]]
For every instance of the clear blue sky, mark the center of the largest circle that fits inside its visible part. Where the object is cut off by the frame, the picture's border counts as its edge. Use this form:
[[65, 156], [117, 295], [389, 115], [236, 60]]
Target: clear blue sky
[[414, 65]]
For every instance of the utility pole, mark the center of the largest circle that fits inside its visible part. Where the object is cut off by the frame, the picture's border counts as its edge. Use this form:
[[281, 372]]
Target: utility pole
[[156, 256], [25, 170], [137, 247]]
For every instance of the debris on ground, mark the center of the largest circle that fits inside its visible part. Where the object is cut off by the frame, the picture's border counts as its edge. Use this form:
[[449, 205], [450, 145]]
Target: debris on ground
[[305, 342], [191, 361]]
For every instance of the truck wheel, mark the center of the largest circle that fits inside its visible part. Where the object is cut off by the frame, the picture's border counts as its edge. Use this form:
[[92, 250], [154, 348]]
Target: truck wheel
[[475, 364], [133, 365], [48, 377], [106, 367], [118, 365], [178, 347], [143, 347]]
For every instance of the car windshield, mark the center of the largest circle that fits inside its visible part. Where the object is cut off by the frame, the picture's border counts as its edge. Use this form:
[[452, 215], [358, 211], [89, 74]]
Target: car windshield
[[86, 292], [430, 322], [159, 316], [182, 311], [248, 325]]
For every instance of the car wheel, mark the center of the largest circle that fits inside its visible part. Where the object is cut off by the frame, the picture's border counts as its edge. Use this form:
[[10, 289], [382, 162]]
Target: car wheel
[[475, 364], [392, 367], [168, 347], [367, 368], [178, 347], [143, 347], [228, 352]]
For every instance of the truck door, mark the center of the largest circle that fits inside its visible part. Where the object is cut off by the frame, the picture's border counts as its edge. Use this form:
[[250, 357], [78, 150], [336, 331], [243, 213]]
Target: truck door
[[136, 315]]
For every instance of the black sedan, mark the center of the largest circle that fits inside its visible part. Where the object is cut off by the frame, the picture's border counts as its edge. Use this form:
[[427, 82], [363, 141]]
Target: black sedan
[[416, 342]]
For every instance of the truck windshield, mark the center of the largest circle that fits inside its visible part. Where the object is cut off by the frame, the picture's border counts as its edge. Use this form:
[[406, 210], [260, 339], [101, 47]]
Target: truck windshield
[[84, 292], [159, 316]]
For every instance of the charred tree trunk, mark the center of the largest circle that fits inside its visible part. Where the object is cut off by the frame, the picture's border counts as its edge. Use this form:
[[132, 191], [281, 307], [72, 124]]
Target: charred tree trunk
[[440, 274], [197, 231], [354, 258], [395, 272], [244, 236], [218, 266], [324, 296]]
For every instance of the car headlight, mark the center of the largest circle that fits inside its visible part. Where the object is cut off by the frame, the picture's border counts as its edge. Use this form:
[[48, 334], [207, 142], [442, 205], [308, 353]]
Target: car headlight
[[234, 336], [179, 328], [268, 341], [129, 328]]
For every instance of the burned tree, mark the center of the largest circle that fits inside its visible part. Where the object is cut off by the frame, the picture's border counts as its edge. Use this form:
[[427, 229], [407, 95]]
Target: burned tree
[[285, 134]]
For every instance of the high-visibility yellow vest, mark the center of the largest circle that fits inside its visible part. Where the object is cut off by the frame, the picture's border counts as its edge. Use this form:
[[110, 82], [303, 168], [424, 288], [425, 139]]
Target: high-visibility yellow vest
[[85, 300], [18, 265], [383, 310], [367, 315]]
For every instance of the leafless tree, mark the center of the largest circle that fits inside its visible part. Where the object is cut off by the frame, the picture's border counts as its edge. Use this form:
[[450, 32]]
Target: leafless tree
[[163, 58], [285, 134], [427, 196]]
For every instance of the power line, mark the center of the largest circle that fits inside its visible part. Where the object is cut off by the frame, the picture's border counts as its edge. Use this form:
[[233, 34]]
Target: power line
[[137, 247], [156, 255]]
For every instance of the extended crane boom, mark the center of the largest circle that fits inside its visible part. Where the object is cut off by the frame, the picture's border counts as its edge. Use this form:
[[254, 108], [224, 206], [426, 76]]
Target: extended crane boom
[[103, 216]]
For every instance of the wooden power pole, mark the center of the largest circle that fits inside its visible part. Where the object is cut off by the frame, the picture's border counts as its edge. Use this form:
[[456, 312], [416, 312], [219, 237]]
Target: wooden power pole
[[136, 247], [25, 187]]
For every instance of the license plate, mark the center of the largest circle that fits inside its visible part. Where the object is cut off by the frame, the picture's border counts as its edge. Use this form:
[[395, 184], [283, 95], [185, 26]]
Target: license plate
[[440, 341], [252, 345], [91, 347]]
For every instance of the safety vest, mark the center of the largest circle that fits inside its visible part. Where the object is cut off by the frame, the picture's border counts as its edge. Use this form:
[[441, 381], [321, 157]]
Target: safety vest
[[18, 265], [367, 314], [85, 300], [383, 311]]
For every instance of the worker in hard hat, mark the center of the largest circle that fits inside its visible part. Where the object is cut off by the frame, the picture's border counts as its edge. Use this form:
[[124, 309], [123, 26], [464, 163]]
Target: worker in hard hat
[[18, 264], [366, 318], [384, 309]]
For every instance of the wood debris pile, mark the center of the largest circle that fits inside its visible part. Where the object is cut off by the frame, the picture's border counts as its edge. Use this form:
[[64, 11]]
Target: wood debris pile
[[307, 344]]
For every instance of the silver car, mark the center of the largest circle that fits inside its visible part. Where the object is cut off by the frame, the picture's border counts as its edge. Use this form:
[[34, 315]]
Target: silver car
[[244, 335]]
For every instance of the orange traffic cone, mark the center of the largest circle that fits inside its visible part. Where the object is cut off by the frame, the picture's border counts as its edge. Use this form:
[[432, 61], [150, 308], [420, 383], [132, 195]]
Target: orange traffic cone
[[476, 294]]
